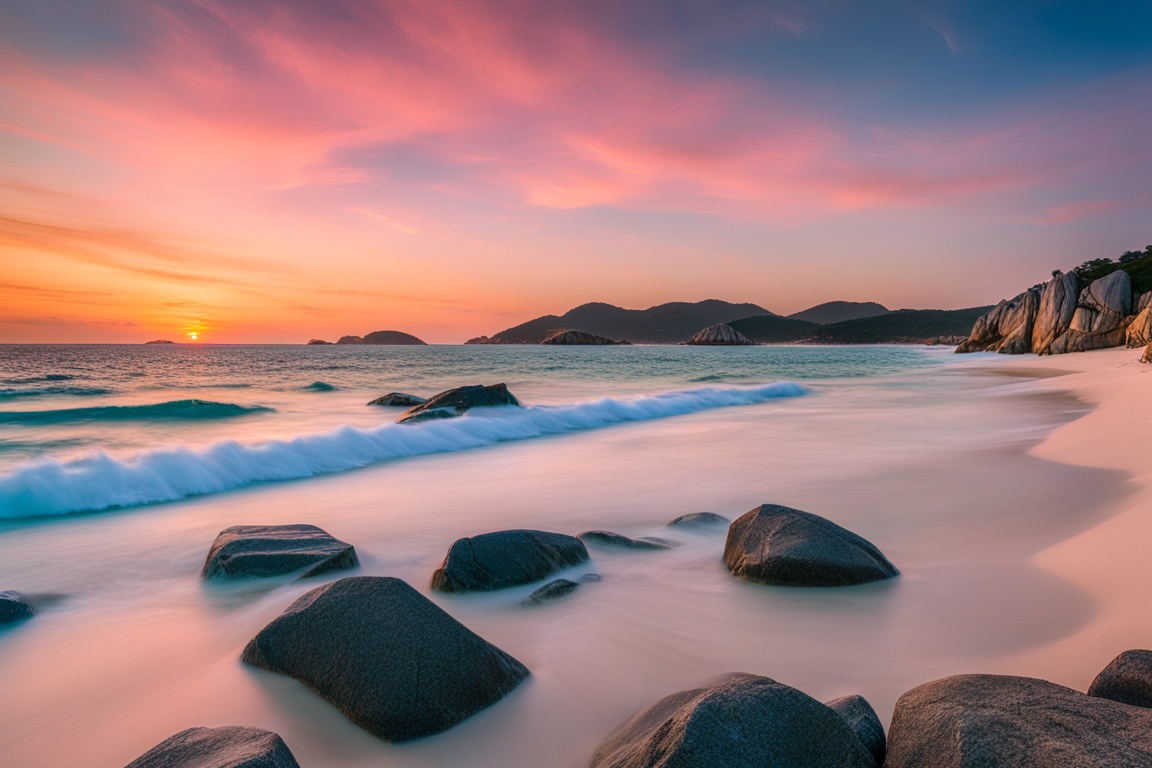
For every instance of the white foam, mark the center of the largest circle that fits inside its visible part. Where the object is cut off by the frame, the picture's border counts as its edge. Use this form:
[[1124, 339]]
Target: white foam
[[100, 481]]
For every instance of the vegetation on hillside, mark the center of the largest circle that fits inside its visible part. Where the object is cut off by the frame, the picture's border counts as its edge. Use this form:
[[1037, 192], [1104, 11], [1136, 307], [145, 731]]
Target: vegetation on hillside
[[773, 329], [1138, 265], [902, 326]]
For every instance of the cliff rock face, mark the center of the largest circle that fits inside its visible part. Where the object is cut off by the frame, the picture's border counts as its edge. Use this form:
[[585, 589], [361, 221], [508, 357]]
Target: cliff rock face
[[1057, 306], [720, 334]]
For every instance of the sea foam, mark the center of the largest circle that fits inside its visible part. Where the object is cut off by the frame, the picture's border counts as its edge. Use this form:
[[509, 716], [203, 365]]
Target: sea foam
[[100, 481]]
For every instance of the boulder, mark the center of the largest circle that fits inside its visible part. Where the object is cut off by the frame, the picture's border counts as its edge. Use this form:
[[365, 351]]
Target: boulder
[[1143, 302], [779, 545], [863, 721], [1128, 679], [398, 398], [14, 606], [1104, 304], [1139, 331], [610, 539], [699, 519], [1054, 315], [1084, 341], [455, 402], [553, 590], [233, 746], [1007, 328], [735, 720], [274, 550], [563, 336], [720, 335], [506, 559], [992, 721], [386, 656], [1147, 356]]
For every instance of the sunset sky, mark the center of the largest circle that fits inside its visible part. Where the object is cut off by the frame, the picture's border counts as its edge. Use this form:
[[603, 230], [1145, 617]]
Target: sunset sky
[[266, 171]]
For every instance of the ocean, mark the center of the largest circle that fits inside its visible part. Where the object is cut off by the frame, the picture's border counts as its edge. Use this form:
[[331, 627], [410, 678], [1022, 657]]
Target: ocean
[[120, 464]]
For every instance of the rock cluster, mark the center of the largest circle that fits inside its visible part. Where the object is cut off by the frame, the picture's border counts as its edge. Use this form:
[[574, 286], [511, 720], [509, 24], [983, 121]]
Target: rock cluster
[[1061, 316], [273, 550], [506, 559], [564, 336], [454, 402], [720, 335], [228, 747]]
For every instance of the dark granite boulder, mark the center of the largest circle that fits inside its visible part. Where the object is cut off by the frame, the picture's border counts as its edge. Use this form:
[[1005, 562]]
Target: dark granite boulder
[[996, 721], [553, 590], [700, 519], [862, 719], [386, 656], [610, 539], [14, 606], [780, 545], [1127, 679], [272, 550], [455, 402], [735, 720], [398, 398], [506, 559], [232, 746]]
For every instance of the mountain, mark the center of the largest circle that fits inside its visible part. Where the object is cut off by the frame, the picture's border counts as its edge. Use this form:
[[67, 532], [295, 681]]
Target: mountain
[[378, 337], [664, 324], [904, 326], [838, 311], [773, 329]]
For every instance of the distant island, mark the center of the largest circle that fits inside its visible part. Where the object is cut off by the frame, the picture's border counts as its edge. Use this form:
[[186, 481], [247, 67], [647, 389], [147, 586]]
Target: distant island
[[378, 338], [160, 341]]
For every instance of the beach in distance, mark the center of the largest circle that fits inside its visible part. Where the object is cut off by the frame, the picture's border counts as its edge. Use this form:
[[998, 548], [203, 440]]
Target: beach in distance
[[1011, 494]]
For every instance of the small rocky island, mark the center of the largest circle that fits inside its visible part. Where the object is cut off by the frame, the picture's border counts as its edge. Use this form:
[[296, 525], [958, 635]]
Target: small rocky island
[[720, 335], [160, 341], [564, 336], [377, 337]]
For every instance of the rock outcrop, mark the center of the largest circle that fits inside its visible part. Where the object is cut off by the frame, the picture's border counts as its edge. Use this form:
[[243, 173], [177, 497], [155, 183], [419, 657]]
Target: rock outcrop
[[735, 720], [693, 519], [1139, 333], [610, 539], [506, 559], [454, 402], [228, 747], [1128, 679], [398, 399], [720, 335], [318, 342], [779, 545], [553, 590], [14, 606], [564, 336], [1104, 304], [863, 721], [1007, 328], [1054, 315], [985, 721], [1143, 302], [273, 550], [386, 656]]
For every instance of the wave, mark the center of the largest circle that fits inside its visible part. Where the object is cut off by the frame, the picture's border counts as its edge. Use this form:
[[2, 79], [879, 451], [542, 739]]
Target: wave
[[176, 409], [13, 394], [100, 481]]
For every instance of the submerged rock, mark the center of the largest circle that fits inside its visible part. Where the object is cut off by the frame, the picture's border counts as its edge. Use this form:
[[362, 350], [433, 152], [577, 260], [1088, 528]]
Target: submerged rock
[[553, 590], [398, 398], [863, 721], [273, 550], [15, 606], [720, 335], [386, 656], [699, 519], [506, 559], [987, 721], [232, 746], [1128, 679], [735, 720], [567, 337], [780, 545], [610, 539], [455, 402]]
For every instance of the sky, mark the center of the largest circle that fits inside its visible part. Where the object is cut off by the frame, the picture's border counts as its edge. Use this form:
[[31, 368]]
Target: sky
[[272, 172]]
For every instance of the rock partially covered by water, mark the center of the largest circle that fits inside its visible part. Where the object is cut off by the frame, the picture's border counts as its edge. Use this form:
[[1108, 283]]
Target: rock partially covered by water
[[386, 656], [1128, 679], [565, 337], [233, 746], [553, 590], [14, 606], [455, 402], [988, 721], [735, 720], [699, 519], [273, 550], [1139, 332], [398, 398], [506, 559], [863, 721], [720, 335], [610, 539], [780, 545]]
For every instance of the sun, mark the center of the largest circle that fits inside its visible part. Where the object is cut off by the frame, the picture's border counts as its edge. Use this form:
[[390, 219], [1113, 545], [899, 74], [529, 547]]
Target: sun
[[193, 335]]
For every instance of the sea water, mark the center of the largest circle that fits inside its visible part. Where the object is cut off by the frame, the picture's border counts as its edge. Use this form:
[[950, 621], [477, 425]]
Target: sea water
[[119, 465]]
